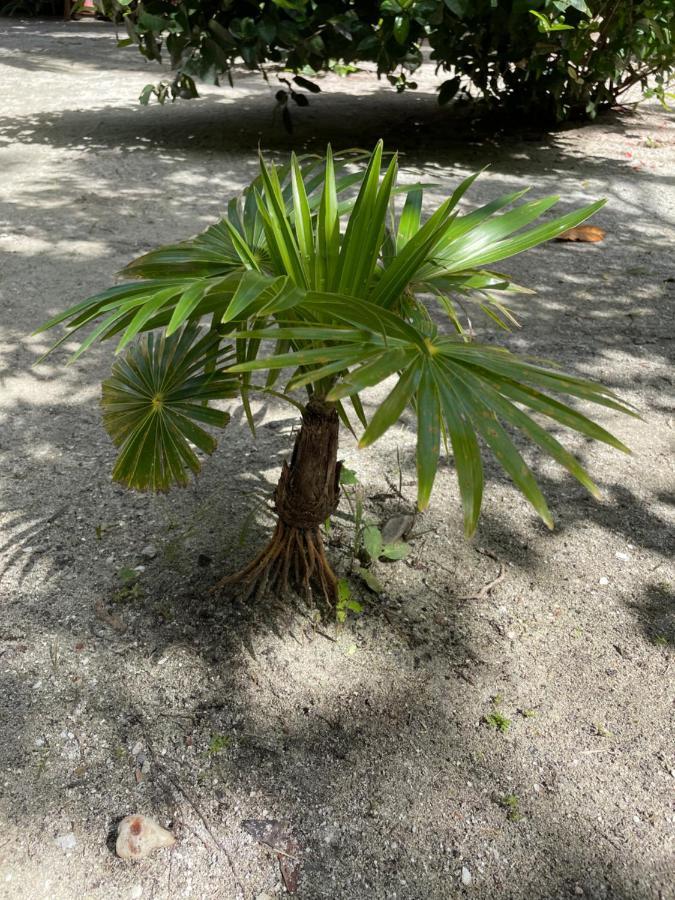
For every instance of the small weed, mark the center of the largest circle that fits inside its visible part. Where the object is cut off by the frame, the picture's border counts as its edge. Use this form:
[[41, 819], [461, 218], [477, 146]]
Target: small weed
[[54, 656], [131, 589], [528, 713], [369, 545], [660, 640], [348, 476], [601, 731], [346, 603], [219, 742], [164, 610], [43, 758], [497, 721], [377, 549], [128, 576], [354, 498], [510, 803]]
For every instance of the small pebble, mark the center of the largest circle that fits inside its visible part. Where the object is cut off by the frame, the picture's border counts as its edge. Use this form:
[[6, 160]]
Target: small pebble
[[466, 876], [136, 892], [149, 551], [332, 836], [66, 841], [604, 580]]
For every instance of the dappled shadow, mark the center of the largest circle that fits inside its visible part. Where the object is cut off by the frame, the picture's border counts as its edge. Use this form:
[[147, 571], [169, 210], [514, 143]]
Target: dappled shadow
[[655, 611], [617, 295], [373, 772], [369, 739]]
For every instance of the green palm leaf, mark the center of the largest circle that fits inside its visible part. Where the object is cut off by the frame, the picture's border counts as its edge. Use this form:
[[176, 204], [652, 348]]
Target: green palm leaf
[[152, 402], [331, 264]]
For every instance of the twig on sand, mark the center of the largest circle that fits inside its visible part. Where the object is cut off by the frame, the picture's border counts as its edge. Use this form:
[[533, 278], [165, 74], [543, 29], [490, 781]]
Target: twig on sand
[[484, 592]]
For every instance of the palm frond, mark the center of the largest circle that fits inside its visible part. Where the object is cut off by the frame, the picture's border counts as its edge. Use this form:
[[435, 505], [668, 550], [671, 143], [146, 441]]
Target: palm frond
[[153, 400], [331, 263]]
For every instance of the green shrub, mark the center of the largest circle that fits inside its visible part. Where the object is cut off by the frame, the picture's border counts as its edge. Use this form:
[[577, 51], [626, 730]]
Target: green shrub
[[562, 58], [557, 58], [31, 8]]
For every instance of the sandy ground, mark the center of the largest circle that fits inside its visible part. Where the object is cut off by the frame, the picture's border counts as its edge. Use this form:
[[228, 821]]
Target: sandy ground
[[371, 741]]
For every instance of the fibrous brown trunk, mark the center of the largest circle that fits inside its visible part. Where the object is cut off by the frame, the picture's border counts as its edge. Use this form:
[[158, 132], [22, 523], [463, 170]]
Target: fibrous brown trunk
[[306, 495]]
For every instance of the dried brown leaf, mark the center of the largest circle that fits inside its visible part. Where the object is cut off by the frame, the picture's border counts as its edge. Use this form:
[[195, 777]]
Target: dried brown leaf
[[588, 234]]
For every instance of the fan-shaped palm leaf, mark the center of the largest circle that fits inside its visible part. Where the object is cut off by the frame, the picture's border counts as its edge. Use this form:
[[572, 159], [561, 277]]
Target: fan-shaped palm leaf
[[153, 400]]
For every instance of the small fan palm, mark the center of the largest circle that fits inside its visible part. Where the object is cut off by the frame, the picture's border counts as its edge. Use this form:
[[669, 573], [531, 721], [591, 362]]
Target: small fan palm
[[349, 290]]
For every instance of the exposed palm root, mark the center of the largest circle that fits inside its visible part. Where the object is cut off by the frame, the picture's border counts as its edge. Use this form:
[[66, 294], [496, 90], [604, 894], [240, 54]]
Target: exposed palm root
[[295, 557]]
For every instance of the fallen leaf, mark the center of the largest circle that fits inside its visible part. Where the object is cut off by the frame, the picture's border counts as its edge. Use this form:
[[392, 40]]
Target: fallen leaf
[[589, 234], [289, 866]]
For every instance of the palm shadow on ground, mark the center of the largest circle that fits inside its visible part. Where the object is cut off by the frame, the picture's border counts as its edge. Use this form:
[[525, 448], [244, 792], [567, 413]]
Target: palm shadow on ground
[[307, 754], [175, 663]]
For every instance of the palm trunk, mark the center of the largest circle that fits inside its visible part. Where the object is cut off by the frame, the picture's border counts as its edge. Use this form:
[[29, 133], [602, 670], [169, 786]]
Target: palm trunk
[[306, 495]]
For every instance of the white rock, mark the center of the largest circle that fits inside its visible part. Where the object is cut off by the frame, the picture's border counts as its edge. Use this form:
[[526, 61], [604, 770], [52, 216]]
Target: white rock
[[466, 876], [604, 580], [66, 841], [623, 556], [136, 892], [139, 835], [149, 552]]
